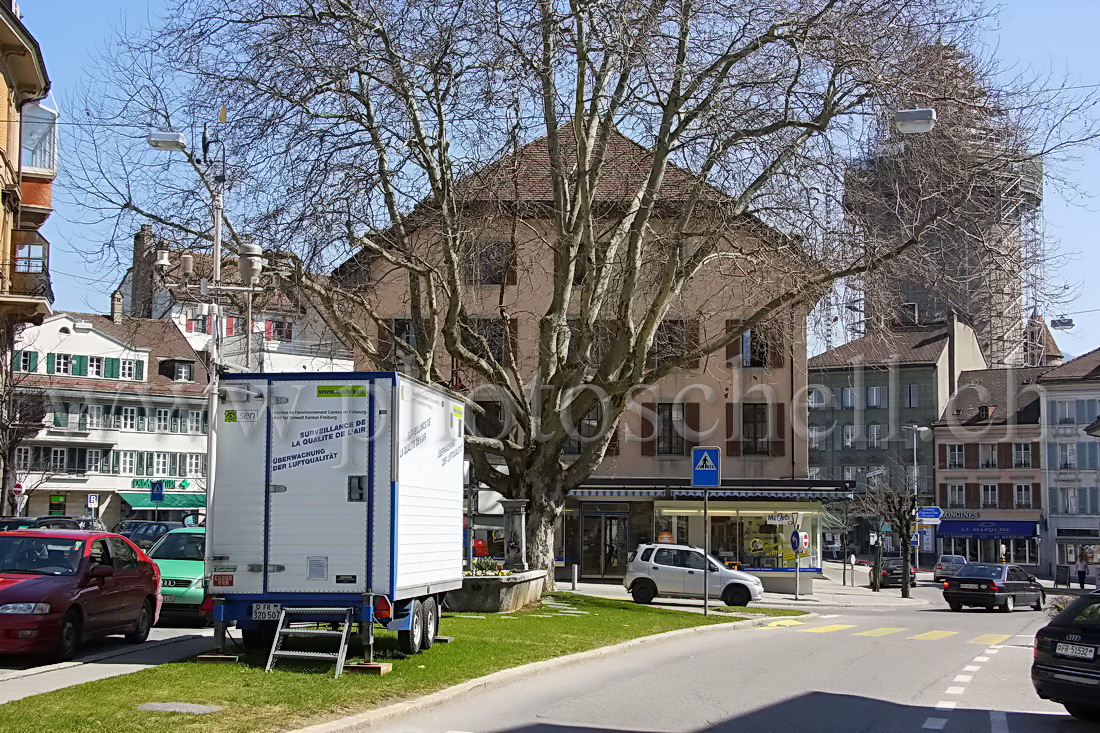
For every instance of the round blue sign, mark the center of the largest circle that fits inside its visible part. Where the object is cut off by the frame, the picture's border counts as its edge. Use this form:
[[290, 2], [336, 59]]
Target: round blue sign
[[796, 540]]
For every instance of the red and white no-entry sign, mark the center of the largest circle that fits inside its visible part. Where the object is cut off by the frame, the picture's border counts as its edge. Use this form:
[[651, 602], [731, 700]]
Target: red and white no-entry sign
[[18, 489]]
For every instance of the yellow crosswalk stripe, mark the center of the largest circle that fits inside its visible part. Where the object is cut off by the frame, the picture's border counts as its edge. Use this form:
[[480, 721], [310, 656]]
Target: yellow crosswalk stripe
[[827, 629], [990, 639], [933, 635], [780, 623], [884, 631]]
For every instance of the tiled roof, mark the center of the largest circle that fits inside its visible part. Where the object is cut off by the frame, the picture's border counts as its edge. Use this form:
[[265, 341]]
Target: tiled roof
[[1011, 395], [1086, 366], [901, 345], [162, 338]]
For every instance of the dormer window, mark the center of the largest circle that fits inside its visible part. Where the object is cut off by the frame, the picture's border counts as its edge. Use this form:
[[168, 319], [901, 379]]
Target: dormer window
[[127, 369], [184, 372], [96, 366]]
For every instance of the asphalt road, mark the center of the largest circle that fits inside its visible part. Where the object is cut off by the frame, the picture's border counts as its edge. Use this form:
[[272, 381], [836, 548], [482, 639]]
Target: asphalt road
[[106, 646], [912, 669]]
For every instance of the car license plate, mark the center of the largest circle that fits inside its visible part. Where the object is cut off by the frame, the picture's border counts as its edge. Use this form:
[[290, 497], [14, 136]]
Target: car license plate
[[167, 599], [266, 611], [1077, 651], [969, 586]]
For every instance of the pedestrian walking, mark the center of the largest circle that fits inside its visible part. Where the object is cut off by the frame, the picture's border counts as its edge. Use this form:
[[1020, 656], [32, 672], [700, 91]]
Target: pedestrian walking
[[1082, 568]]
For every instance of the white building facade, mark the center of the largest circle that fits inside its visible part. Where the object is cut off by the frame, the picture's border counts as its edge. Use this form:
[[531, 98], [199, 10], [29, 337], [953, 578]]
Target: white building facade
[[124, 408]]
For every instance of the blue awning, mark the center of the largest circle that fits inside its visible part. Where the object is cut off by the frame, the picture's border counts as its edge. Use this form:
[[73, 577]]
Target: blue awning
[[979, 528]]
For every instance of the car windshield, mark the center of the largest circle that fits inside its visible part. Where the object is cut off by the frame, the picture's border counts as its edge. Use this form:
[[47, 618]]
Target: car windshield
[[180, 546], [9, 524], [40, 555], [990, 572]]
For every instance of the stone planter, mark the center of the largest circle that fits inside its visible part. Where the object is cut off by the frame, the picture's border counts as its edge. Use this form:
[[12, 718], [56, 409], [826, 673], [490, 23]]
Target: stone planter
[[497, 594]]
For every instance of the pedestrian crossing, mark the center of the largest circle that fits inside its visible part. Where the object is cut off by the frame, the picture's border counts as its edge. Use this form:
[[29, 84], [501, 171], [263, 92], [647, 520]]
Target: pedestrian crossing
[[985, 640]]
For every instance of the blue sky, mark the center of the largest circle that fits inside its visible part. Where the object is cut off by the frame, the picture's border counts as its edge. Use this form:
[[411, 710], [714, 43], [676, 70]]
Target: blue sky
[[1057, 36]]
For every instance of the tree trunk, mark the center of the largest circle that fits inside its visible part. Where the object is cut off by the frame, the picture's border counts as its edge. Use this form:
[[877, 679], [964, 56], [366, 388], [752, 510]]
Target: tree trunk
[[8, 501], [540, 543]]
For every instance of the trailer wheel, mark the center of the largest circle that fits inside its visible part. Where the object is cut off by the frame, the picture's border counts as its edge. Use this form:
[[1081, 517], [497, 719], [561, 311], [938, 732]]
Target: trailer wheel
[[410, 641], [260, 639], [431, 623]]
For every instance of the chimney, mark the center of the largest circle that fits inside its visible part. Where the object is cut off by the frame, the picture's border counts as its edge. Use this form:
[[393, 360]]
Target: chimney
[[143, 273], [116, 306]]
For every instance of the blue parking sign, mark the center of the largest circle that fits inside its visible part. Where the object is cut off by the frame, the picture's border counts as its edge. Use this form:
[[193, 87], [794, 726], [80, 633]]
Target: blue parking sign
[[706, 465]]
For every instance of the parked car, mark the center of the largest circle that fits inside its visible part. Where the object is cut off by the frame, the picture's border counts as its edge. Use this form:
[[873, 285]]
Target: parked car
[[988, 585], [180, 557], [91, 524], [947, 566], [890, 573], [677, 571], [1066, 668], [50, 522], [145, 534], [59, 587]]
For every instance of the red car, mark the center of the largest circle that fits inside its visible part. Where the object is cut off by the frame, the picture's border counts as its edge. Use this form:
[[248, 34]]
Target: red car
[[58, 587]]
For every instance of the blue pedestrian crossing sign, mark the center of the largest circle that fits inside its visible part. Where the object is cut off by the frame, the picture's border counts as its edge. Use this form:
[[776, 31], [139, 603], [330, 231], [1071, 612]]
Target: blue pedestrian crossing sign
[[156, 491], [706, 467]]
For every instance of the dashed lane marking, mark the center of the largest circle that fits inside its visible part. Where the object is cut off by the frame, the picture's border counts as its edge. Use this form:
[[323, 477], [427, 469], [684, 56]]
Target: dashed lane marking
[[955, 690], [884, 631], [946, 705], [828, 629], [933, 635], [964, 677], [934, 724], [972, 668], [981, 659], [990, 639]]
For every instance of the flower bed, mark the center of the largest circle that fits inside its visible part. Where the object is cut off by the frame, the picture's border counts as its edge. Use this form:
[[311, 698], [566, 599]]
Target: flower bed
[[497, 593]]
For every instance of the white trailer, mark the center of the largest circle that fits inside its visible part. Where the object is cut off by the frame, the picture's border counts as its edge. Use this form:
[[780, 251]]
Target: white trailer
[[337, 491]]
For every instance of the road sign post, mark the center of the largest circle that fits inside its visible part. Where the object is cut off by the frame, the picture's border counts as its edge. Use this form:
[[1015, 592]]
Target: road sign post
[[156, 496], [706, 473]]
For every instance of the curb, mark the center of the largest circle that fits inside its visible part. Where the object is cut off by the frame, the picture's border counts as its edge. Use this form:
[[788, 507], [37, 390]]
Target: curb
[[57, 666], [435, 699]]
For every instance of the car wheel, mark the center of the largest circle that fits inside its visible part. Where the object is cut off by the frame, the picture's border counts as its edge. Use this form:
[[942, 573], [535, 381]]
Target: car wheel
[[410, 641], [955, 606], [431, 623], [736, 595], [1009, 604], [643, 592], [144, 622], [68, 639], [1081, 712]]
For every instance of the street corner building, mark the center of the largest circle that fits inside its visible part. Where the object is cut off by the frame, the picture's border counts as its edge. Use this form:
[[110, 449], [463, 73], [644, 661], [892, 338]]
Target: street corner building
[[119, 404]]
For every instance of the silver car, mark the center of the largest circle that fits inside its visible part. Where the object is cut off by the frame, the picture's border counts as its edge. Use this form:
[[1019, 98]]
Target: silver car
[[947, 566], [677, 571]]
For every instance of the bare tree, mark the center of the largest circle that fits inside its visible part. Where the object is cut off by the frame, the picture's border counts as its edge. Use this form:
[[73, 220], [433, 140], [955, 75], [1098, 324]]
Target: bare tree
[[409, 136], [22, 415], [894, 503]]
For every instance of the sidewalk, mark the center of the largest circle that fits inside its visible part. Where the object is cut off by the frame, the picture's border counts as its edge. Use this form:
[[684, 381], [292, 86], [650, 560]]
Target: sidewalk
[[18, 684], [828, 593]]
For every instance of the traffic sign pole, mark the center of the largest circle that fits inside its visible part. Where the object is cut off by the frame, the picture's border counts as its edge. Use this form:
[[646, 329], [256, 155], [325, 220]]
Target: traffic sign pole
[[706, 472]]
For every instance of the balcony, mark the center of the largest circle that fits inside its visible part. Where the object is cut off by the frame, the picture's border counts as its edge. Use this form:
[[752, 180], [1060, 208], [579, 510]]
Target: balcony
[[25, 290]]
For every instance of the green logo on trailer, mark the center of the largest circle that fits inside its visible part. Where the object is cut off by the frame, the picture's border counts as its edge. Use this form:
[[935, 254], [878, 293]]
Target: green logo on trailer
[[342, 390], [231, 416]]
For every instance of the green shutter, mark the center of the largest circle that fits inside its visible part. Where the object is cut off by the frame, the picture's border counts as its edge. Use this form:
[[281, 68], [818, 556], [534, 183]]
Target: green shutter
[[80, 365], [174, 421], [140, 418], [204, 419], [34, 361], [139, 468], [110, 367], [82, 421], [61, 415], [139, 370], [149, 464], [15, 360], [49, 363], [173, 464]]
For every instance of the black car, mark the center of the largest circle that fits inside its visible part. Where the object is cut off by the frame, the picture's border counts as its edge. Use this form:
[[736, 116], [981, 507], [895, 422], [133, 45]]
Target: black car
[[145, 534], [988, 585], [1066, 669], [9, 523], [890, 573]]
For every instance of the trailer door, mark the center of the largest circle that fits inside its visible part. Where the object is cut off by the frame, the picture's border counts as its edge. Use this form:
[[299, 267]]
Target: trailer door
[[319, 461]]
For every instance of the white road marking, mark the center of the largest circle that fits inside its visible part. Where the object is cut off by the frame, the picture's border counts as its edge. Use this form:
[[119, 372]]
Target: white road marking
[[955, 690], [998, 721], [981, 659], [991, 650], [996, 646], [972, 668], [934, 724], [963, 677], [946, 705]]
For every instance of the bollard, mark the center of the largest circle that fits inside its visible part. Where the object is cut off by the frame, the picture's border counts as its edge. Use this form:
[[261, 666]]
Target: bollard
[[574, 576]]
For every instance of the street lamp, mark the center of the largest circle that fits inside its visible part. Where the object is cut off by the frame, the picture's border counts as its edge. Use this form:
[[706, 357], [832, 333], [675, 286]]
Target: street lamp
[[876, 573], [923, 433], [914, 121]]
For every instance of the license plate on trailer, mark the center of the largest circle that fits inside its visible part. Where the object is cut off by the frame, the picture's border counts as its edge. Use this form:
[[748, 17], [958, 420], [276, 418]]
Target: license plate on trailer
[[266, 611], [1077, 651], [167, 599], [969, 586]]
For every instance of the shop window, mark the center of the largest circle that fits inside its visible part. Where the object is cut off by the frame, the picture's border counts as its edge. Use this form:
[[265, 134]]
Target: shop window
[[754, 429], [57, 505], [670, 429]]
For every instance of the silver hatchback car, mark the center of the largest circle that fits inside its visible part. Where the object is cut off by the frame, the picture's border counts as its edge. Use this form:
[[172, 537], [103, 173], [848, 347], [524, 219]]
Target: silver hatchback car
[[947, 566], [677, 571]]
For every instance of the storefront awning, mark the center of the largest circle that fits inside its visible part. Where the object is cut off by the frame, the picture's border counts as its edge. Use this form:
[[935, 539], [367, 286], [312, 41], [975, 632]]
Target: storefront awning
[[651, 493], [172, 500], [755, 494], [986, 528]]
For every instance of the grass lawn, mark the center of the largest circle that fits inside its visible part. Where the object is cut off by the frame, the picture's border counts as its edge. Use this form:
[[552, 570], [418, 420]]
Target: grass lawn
[[762, 611], [296, 694]]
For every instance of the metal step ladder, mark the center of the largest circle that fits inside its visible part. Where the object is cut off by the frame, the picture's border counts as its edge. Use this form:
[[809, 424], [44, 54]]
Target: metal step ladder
[[284, 630]]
